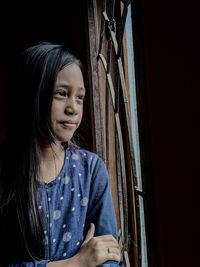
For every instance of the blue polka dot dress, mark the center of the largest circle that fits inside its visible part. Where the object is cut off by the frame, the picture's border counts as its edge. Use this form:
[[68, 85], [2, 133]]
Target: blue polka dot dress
[[67, 205]]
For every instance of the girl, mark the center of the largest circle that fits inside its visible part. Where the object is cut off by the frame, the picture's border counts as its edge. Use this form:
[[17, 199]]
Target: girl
[[56, 207]]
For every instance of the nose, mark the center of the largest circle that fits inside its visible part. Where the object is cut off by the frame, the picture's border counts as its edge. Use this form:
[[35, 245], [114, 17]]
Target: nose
[[71, 107]]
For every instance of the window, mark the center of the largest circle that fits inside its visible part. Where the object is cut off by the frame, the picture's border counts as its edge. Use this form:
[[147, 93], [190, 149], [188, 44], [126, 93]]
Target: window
[[114, 114]]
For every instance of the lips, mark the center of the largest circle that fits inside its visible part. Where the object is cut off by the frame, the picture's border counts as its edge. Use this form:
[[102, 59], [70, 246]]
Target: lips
[[68, 123]]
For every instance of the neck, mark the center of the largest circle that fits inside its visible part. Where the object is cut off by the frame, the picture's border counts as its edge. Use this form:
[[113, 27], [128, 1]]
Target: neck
[[52, 161], [52, 151]]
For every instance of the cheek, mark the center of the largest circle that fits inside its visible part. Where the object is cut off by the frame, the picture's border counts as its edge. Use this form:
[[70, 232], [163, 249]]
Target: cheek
[[81, 113], [54, 113]]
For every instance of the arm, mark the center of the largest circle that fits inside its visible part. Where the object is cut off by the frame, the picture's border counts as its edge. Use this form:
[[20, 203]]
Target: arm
[[92, 253], [94, 250], [101, 208], [102, 233]]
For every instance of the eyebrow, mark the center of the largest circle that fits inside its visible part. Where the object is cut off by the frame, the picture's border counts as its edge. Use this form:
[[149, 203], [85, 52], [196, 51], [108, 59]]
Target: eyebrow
[[65, 86]]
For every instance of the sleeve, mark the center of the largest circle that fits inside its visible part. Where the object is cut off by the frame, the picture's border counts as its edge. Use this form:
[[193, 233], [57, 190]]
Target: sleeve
[[101, 208], [42, 263]]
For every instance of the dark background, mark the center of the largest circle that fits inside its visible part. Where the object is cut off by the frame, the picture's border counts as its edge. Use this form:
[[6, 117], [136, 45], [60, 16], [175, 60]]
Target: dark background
[[167, 72], [23, 24]]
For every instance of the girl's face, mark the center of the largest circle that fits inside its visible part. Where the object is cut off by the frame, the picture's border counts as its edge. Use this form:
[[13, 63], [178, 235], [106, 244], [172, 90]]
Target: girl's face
[[67, 104]]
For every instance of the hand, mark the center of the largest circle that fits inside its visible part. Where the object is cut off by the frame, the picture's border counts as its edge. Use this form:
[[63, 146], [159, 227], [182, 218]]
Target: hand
[[97, 250]]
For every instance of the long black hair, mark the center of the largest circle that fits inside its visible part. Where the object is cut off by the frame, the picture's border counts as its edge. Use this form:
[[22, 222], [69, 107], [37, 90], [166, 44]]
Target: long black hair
[[29, 99]]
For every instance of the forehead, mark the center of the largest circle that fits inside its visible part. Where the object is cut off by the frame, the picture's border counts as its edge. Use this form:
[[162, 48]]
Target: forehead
[[70, 75]]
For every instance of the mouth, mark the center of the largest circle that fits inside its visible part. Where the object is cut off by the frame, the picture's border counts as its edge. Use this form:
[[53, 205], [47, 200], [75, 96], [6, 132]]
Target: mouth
[[68, 124]]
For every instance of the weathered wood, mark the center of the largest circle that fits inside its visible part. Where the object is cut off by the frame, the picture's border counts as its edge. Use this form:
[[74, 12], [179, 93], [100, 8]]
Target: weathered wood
[[96, 111], [117, 117]]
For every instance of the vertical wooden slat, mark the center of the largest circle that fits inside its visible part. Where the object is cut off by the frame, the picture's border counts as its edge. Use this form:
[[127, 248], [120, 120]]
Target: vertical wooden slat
[[97, 85], [96, 111]]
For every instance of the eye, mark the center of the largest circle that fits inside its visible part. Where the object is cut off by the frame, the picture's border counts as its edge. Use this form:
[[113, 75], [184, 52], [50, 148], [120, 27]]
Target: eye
[[60, 93], [80, 98]]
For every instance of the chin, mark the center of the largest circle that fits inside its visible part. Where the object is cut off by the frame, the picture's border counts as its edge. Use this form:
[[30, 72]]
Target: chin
[[65, 139], [64, 136]]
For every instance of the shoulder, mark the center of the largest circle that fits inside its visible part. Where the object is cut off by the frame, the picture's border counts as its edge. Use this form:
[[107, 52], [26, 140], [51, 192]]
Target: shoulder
[[87, 158], [76, 152]]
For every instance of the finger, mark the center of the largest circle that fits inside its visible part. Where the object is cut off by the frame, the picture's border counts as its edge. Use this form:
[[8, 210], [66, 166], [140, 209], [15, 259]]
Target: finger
[[112, 250], [107, 242], [112, 254], [107, 238], [90, 233]]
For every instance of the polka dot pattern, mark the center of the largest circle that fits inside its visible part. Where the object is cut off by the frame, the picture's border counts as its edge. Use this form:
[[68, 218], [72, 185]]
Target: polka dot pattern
[[67, 237], [56, 214], [64, 204], [84, 201], [66, 179], [75, 157]]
